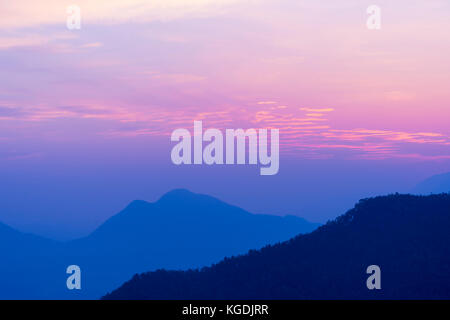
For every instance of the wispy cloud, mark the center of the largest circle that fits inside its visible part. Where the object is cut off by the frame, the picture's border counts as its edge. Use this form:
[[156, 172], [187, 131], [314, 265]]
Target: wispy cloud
[[19, 14], [25, 41], [146, 67], [266, 102], [92, 45], [318, 110]]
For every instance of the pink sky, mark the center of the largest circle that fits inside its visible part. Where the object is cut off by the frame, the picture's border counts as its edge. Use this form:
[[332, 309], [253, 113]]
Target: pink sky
[[312, 70], [247, 63]]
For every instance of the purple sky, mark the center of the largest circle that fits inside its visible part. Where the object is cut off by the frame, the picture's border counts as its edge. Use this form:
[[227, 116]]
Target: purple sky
[[86, 115]]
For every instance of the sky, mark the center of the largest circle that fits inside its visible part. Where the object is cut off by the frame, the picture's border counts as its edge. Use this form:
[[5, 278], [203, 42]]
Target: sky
[[86, 115]]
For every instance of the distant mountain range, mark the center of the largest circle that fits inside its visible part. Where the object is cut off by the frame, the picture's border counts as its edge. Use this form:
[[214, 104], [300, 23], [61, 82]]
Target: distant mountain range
[[406, 236], [182, 230], [436, 184], [25, 261]]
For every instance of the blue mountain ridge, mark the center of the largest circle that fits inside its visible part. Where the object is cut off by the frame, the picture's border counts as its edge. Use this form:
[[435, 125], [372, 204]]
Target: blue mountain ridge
[[181, 230], [439, 183]]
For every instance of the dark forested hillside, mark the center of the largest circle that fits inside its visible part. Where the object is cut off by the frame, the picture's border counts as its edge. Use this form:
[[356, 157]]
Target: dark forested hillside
[[407, 236]]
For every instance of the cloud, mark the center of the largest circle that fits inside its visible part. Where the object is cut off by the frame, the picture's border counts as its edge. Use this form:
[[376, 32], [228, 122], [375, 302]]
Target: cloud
[[92, 45], [310, 137], [22, 13], [19, 39], [314, 115], [177, 78], [400, 96], [9, 112], [266, 102], [317, 110], [24, 41]]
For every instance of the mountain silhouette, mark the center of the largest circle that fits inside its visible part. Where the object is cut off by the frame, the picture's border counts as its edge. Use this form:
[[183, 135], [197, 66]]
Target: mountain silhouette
[[181, 230], [436, 184], [22, 256], [406, 236]]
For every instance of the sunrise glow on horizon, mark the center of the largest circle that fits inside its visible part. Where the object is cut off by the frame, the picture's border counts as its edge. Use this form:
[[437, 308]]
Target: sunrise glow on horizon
[[327, 83]]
